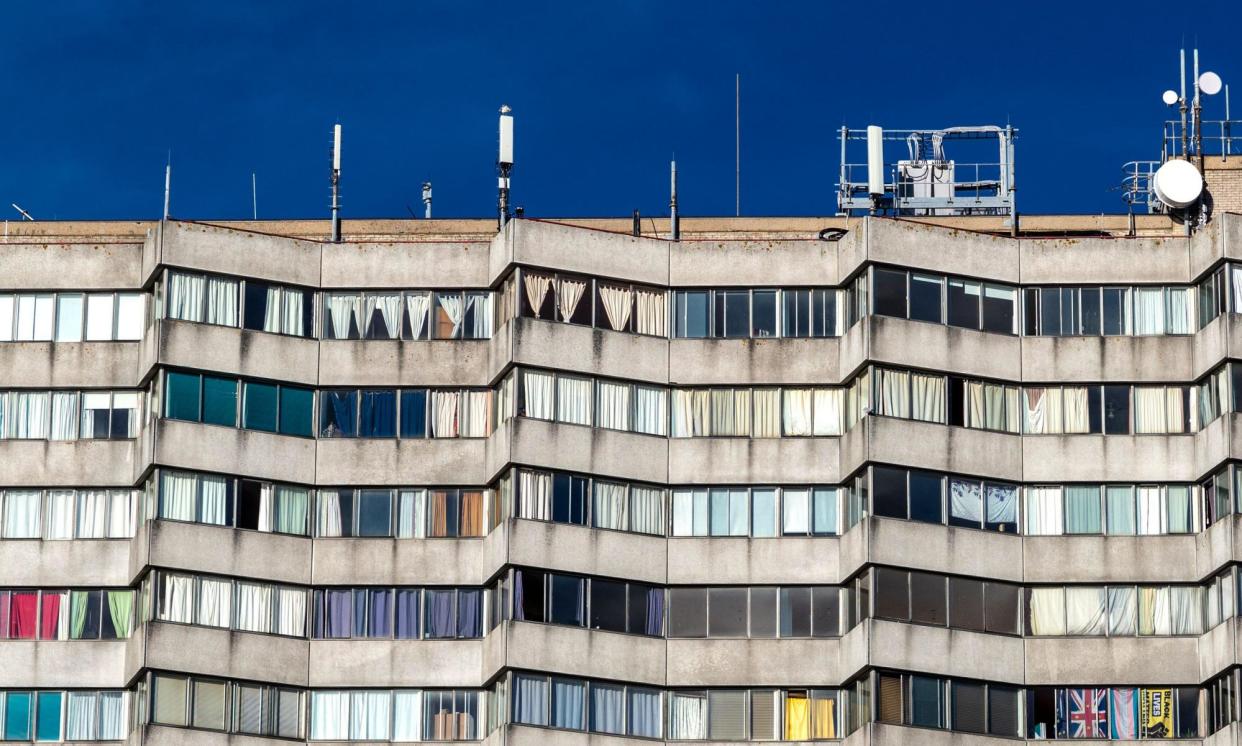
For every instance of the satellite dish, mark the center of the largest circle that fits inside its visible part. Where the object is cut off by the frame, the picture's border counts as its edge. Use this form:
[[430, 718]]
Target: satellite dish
[[1170, 98], [1209, 83], [1177, 183]]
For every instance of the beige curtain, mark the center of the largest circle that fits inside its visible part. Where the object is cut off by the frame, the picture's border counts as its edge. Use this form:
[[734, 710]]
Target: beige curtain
[[617, 302], [569, 293], [650, 312], [767, 417], [828, 414], [537, 287], [797, 412]]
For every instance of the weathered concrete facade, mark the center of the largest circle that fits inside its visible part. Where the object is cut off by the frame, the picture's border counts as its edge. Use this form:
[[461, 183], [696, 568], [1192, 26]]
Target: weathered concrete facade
[[467, 255]]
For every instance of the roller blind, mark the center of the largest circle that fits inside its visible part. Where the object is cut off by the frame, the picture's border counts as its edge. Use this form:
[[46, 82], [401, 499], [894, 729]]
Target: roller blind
[[726, 715]]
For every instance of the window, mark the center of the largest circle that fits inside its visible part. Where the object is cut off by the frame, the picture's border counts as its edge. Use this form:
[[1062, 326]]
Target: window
[[889, 293], [687, 612], [963, 304], [727, 612], [607, 605], [927, 702], [926, 297], [892, 594], [967, 703], [928, 603]]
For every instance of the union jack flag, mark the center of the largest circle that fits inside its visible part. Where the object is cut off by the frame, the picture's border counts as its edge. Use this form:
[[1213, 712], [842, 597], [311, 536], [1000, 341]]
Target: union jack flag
[[1088, 713]]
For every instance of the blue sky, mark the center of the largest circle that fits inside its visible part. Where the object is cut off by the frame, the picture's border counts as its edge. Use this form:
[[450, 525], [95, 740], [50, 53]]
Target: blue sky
[[604, 94]]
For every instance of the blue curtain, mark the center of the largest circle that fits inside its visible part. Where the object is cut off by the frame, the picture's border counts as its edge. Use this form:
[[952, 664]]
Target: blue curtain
[[519, 612], [360, 612], [379, 414], [655, 612], [470, 614], [439, 614], [338, 614], [338, 410], [414, 413], [380, 623], [407, 615], [568, 704]]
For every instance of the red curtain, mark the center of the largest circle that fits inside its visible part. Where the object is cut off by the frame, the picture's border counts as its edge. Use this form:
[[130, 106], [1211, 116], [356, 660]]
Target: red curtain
[[51, 615], [22, 616]]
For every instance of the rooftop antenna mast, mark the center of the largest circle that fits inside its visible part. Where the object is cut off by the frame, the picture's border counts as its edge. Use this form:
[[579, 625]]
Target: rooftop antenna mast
[[254, 196], [336, 184], [427, 200], [504, 162], [25, 215], [674, 220], [167, 183], [737, 145]]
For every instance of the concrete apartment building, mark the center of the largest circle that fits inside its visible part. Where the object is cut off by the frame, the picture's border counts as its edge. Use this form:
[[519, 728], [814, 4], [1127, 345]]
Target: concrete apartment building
[[885, 481]]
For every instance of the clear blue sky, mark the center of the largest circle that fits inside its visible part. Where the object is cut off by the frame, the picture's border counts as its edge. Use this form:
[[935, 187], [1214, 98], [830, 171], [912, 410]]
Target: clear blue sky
[[98, 92]]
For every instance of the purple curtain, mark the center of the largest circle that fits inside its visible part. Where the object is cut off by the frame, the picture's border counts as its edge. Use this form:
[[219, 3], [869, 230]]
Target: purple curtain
[[380, 624], [655, 611], [519, 613], [360, 612], [469, 614], [439, 622], [407, 614], [338, 619]]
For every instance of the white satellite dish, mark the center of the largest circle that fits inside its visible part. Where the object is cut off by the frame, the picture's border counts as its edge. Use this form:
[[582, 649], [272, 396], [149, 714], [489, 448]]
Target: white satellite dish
[[1177, 183], [1209, 83], [1169, 98]]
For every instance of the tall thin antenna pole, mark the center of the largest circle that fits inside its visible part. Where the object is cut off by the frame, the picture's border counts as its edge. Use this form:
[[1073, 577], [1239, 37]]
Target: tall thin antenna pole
[[675, 223], [336, 184], [167, 185], [254, 196], [1182, 101], [737, 145]]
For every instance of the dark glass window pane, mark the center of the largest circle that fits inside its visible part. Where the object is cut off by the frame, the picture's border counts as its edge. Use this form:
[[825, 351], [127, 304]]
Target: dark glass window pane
[[646, 609], [181, 397], [566, 600], [1003, 710], [732, 313], [569, 499], [414, 413], [1187, 720], [1050, 312], [927, 599], [925, 297], [999, 307], [726, 612], [926, 702], [692, 319], [963, 304], [888, 492], [256, 306], [957, 401], [796, 315], [1069, 312], [1095, 422], [1090, 300], [378, 414], [308, 311], [1114, 311], [374, 512], [260, 406], [249, 504], [297, 411], [1000, 609], [687, 612], [763, 606], [824, 313], [220, 401], [1116, 410], [763, 315], [1041, 713], [925, 502], [608, 605], [338, 413], [1030, 311], [892, 596], [346, 500], [795, 612], [890, 293], [825, 612], [967, 704], [528, 595], [966, 604]]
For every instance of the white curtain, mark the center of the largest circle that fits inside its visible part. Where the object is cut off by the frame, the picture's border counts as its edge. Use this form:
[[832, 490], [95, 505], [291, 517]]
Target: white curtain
[[60, 510], [328, 521], [573, 400], [342, 309], [1180, 308], [617, 302], [292, 612], [416, 305], [1043, 511], [291, 313], [966, 500], [452, 306], [1149, 311], [254, 607], [411, 505], [795, 508], [894, 390], [176, 495], [121, 513], [828, 412], [185, 297], [476, 422], [21, 514], [390, 311], [1186, 610], [214, 499], [608, 506], [221, 301], [266, 495], [64, 415], [215, 602], [651, 308], [444, 414], [537, 391], [80, 716], [1035, 411], [1150, 511], [797, 414], [28, 414], [535, 490], [479, 309], [271, 309], [647, 510], [1175, 421], [177, 603], [927, 400], [329, 719], [688, 719], [92, 514], [407, 709], [1076, 409], [1047, 611], [612, 408], [767, 417], [112, 718], [1122, 611], [1149, 409], [1085, 611], [537, 287], [650, 410], [569, 294]]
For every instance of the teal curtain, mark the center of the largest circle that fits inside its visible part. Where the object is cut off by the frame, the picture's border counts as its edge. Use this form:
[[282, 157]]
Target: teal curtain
[[1121, 513], [47, 720], [17, 716], [1082, 510]]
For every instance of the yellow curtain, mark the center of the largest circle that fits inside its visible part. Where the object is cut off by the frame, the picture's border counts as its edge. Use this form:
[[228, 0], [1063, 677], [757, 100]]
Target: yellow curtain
[[797, 718], [825, 719]]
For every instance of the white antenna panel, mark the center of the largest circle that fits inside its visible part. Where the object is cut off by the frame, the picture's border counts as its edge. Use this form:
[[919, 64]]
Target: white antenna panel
[[1177, 183], [506, 136], [875, 159], [336, 148]]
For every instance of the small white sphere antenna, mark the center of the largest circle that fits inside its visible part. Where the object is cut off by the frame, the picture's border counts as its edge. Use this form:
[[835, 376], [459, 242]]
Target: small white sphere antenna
[[1209, 83], [1170, 98]]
